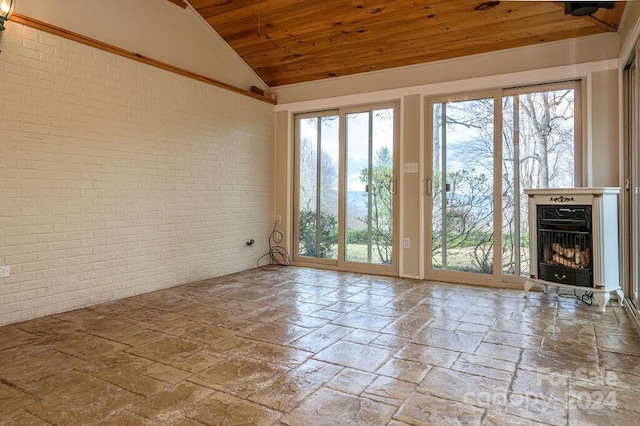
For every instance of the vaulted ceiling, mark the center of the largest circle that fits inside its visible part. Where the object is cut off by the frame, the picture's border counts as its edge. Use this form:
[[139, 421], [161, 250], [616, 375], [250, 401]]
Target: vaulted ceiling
[[295, 41]]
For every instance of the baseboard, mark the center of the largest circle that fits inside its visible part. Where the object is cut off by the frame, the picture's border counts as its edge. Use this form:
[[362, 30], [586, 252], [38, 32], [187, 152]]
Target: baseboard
[[633, 314], [412, 277]]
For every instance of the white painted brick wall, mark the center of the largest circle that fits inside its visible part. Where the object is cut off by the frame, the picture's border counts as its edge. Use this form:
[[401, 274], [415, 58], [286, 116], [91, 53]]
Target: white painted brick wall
[[117, 178]]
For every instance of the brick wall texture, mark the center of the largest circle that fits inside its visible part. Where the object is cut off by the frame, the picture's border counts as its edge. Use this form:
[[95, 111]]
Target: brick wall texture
[[117, 178]]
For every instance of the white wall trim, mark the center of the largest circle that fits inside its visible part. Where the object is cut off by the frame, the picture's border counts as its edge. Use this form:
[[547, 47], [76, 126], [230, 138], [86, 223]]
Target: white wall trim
[[627, 49], [472, 84]]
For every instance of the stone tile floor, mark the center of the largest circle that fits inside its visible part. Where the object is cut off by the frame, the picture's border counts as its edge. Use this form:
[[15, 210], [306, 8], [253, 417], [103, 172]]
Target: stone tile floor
[[311, 347]]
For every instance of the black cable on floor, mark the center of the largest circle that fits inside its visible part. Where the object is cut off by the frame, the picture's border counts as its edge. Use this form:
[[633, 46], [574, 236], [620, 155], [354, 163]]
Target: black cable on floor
[[277, 254], [586, 298]]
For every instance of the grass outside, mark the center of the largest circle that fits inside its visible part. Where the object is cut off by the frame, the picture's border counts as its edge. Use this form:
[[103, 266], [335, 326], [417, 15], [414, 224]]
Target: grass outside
[[461, 259], [457, 260]]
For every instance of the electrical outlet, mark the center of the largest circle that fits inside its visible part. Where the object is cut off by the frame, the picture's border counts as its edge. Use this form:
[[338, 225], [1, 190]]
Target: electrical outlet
[[5, 271], [407, 243]]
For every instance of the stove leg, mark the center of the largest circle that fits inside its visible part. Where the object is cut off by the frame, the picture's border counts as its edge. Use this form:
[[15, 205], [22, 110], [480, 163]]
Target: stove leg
[[602, 299], [620, 297], [527, 286]]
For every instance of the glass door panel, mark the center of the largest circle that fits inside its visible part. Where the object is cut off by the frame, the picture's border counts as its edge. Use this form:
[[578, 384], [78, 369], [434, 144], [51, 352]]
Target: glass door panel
[[370, 186], [538, 151], [462, 186], [317, 198]]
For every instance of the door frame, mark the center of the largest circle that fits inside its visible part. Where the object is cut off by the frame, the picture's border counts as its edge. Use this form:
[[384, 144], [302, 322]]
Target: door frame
[[630, 214]]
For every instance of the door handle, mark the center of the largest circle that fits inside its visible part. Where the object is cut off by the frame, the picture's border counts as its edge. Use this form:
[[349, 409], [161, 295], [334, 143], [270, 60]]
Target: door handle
[[392, 187], [428, 186], [560, 277]]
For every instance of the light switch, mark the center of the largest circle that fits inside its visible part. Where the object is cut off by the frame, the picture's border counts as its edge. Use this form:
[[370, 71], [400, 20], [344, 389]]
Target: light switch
[[411, 167]]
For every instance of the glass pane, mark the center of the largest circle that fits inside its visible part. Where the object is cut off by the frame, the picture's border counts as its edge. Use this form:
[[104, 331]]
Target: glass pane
[[547, 140], [510, 204], [464, 199], [329, 165], [538, 152], [437, 223], [358, 236], [382, 187], [369, 210], [308, 185], [318, 187]]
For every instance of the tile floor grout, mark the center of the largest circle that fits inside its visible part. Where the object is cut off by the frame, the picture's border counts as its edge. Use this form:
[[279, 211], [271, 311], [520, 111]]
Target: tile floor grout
[[303, 346]]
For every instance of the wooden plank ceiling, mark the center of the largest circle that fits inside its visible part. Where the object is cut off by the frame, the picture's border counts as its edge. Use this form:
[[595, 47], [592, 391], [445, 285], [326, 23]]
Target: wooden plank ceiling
[[295, 41]]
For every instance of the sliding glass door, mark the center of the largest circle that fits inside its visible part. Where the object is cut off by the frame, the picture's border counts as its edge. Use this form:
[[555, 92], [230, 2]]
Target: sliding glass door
[[462, 185], [484, 150], [345, 203]]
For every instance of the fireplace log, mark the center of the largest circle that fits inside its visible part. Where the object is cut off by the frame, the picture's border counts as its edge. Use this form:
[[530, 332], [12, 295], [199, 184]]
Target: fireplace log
[[573, 257], [585, 258], [583, 262], [563, 261], [566, 252]]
